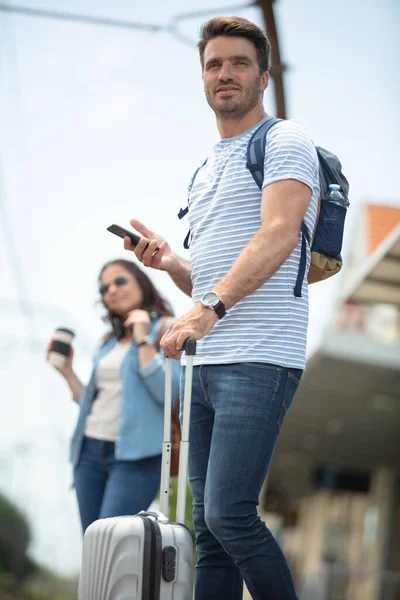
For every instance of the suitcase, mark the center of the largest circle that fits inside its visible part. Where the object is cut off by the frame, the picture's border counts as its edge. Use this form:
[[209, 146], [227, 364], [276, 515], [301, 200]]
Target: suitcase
[[145, 556]]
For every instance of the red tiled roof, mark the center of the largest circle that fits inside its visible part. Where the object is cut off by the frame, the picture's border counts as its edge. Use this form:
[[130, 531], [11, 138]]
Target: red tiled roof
[[381, 220]]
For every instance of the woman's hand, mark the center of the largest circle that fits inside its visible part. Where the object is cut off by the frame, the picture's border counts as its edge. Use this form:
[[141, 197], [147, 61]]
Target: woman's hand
[[140, 321], [66, 370], [68, 373]]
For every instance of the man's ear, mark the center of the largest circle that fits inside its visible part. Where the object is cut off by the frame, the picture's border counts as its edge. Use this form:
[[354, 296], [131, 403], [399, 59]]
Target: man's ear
[[264, 81]]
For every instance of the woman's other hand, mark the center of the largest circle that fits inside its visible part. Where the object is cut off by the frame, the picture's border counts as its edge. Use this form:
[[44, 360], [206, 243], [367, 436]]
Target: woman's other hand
[[140, 321], [67, 368]]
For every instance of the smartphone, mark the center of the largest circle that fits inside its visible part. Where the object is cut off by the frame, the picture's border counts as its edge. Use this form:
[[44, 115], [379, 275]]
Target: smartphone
[[121, 232]]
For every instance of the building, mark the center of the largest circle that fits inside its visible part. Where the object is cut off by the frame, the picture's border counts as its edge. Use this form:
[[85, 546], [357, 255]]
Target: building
[[334, 481]]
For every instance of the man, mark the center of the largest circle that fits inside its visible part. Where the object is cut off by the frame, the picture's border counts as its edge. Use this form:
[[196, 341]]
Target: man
[[245, 253]]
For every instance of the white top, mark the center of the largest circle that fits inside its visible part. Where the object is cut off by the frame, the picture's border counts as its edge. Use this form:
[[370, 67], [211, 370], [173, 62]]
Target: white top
[[269, 325], [103, 421]]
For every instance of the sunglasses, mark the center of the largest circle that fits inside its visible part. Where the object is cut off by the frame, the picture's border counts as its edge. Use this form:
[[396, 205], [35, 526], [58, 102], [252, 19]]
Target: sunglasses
[[118, 281]]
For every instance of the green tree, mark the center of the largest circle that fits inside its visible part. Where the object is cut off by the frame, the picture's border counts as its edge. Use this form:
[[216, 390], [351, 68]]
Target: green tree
[[15, 536]]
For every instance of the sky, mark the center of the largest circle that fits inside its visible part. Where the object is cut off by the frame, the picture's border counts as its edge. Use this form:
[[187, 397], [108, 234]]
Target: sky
[[99, 125]]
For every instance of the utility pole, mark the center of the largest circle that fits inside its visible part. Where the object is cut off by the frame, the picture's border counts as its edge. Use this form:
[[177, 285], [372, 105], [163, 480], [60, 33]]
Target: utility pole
[[276, 67]]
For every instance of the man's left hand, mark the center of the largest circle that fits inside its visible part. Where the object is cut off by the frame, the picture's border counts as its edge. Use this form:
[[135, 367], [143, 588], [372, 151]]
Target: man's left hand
[[195, 324]]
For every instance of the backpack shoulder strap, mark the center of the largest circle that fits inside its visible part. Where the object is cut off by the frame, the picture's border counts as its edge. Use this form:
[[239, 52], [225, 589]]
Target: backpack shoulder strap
[[255, 164], [184, 211], [256, 150]]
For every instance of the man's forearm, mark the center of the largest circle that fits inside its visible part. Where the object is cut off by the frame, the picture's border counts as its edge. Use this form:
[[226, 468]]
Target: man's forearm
[[257, 262], [180, 274]]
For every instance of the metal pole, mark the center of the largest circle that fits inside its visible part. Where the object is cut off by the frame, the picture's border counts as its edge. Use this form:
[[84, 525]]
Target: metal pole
[[184, 449], [277, 68], [167, 446]]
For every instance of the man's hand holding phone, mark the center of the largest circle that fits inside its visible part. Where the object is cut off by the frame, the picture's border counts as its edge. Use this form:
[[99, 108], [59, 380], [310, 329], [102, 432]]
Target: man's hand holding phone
[[151, 249]]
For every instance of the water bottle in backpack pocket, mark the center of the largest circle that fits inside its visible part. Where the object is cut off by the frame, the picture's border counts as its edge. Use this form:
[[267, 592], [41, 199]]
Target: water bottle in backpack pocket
[[329, 231]]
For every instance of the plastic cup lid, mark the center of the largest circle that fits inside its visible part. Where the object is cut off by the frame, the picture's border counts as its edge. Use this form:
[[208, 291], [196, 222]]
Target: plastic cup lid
[[65, 330]]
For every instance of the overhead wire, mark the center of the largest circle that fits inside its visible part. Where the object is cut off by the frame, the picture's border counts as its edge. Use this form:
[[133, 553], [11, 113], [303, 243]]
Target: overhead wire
[[26, 308], [78, 18], [170, 27], [173, 23]]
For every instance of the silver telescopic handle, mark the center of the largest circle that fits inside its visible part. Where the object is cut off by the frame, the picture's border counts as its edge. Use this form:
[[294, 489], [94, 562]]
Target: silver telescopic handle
[[190, 348], [167, 446]]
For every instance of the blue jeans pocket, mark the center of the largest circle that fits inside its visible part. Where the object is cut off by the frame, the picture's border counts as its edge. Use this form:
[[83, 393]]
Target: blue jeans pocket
[[262, 366]]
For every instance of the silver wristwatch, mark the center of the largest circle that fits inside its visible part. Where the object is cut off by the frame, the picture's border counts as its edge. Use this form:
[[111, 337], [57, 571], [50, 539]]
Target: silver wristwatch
[[212, 300], [146, 341]]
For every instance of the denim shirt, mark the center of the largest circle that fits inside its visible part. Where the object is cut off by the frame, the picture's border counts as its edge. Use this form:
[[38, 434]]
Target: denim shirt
[[141, 425]]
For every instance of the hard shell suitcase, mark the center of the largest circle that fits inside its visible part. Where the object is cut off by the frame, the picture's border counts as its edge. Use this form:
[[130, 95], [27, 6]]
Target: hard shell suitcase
[[145, 556]]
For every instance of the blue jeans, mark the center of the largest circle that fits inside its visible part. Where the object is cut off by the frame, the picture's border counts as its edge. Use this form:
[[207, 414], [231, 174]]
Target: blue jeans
[[237, 412], [106, 487]]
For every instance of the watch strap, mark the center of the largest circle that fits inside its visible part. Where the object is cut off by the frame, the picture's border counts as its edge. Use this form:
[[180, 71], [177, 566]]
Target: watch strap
[[145, 342], [220, 310]]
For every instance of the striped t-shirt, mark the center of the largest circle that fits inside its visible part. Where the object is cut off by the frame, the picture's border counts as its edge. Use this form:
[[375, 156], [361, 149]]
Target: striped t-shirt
[[270, 324]]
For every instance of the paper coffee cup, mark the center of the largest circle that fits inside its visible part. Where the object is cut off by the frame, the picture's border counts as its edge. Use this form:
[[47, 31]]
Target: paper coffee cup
[[61, 346]]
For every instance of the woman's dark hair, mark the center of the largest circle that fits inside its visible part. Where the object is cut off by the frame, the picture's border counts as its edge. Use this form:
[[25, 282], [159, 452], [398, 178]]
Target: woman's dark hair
[[237, 27], [152, 299]]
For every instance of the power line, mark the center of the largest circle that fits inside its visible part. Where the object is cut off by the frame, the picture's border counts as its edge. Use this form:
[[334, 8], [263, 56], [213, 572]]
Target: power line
[[26, 308], [77, 18], [209, 11], [170, 27], [22, 304]]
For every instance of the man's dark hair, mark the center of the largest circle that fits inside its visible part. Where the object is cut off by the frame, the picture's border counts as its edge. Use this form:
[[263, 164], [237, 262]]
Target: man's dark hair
[[236, 27]]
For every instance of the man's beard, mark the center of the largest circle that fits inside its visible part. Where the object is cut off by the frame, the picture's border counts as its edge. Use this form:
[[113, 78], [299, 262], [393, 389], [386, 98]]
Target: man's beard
[[236, 108]]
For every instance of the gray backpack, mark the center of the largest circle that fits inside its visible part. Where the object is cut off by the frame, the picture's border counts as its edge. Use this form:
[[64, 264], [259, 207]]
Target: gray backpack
[[326, 239]]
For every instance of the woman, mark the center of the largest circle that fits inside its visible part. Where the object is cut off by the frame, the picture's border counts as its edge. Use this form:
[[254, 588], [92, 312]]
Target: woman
[[117, 444]]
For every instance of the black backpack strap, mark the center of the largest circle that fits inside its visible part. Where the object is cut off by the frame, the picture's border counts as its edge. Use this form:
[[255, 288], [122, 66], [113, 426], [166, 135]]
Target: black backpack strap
[[186, 241], [256, 150], [255, 164], [184, 211], [305, 237]]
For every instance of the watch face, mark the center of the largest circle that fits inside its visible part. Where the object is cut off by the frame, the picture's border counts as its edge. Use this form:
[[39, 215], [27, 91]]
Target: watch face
[[210, 299]]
